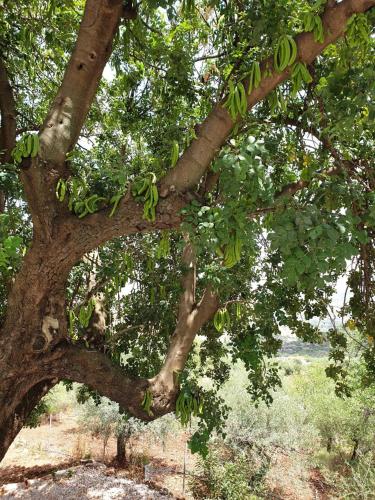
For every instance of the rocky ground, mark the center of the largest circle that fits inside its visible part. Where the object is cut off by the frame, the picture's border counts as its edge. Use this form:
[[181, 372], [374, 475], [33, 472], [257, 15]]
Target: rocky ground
[[89, 481]]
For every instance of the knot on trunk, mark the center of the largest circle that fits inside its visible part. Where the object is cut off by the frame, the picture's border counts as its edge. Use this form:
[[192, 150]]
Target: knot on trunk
[[50, 326]]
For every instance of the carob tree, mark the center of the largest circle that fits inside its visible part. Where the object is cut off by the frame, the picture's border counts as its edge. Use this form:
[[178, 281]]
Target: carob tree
[[215, 179]]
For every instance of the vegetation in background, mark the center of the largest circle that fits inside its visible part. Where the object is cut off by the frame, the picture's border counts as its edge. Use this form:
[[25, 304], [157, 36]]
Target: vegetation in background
[[104, 419], [307, 422]]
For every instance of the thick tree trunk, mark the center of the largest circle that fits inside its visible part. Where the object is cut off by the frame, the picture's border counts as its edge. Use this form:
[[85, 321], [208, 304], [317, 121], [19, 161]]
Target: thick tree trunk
[[34, 325], [23, 402], [35, 353]]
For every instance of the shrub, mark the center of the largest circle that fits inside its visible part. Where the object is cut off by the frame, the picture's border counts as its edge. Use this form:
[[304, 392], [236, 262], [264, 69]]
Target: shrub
[[347, 422], [291, 366], [161, 428], [284, 423], [36, 415], [105, 420], [56, 401], [226, 474], [359, 484]]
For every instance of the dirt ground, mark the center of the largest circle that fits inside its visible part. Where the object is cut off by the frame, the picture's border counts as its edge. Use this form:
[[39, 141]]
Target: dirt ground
[[290, 478], [37, 452], [92, 481], [45, 449]]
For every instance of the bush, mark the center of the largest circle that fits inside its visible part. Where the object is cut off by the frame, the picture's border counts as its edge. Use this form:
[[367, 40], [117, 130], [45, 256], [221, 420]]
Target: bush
[[291, 366], [58, 400], [162, 427], [359, 483], [284, 423], [226, 474], [36, 415], [105, 420], [348, 423]]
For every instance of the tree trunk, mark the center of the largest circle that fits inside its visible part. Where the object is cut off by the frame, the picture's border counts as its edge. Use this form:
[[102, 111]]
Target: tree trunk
[[329, 444], [34, 343], [12, 421], [121, 448], [355, 450], [34, 325]]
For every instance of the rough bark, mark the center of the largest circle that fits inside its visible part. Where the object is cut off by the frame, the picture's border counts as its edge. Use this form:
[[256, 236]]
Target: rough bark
[[34, 352], [13, 423], [36, 314], [8, 123]]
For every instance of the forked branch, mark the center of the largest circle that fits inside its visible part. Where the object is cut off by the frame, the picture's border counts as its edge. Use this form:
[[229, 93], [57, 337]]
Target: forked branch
[[191, 318], [63, 124]]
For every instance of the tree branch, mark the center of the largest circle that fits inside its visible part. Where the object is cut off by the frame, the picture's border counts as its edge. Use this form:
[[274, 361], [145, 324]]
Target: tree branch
[[191, 317], [96, 369], [183, 338], [62, 126], [187, 300], [340, 165], [91, 231], [67, 114], [8, 122], [210, 56], [95, 331], [97, 228], [323, 139], [294, 187], [98, 372], [216, 128]]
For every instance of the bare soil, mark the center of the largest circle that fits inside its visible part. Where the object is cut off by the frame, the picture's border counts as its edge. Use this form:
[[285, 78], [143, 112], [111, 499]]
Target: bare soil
[[47, 448], [41, 451], [290, 478]]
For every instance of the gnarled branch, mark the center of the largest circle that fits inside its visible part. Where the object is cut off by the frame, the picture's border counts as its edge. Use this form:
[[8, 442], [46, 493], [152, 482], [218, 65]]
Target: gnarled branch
[[96, 370]]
